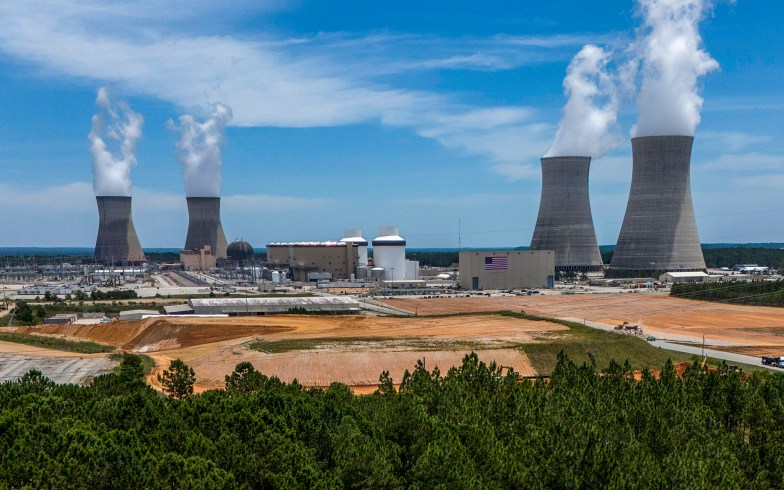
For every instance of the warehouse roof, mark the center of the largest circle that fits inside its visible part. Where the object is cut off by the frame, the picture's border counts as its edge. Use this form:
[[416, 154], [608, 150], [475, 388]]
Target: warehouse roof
[[687, 274], [291, 301]]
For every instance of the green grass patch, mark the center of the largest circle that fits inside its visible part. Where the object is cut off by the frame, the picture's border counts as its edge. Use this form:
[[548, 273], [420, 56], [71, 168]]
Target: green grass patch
[[289, 345], [54, 343], [579, 340]]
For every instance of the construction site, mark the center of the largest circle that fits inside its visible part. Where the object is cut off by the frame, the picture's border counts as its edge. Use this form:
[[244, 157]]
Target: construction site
[[316, 350]]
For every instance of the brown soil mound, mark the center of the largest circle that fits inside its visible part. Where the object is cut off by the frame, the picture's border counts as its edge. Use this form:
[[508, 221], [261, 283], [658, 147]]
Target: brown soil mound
[[154, 333]]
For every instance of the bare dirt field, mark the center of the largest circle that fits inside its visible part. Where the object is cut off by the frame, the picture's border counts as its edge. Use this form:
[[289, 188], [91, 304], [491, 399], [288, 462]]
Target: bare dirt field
[[60, 367], [657, 314], [316, 350]]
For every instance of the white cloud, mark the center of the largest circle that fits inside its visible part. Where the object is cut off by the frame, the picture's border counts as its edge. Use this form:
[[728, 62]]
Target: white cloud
[[742, 162], [730, 140], [516, 171], [323, 80], [267, 203], [452, 201], [73, 197]]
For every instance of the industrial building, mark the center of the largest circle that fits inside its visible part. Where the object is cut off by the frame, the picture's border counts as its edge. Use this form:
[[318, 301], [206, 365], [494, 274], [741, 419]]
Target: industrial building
[[692, 276], [355, 236], [564, 223], [389, 256], [198, 260], [204, 226], [313, 261], [659, 232], [61, 319], [269, 306], [137, 314], [117, 241], [507, 269]]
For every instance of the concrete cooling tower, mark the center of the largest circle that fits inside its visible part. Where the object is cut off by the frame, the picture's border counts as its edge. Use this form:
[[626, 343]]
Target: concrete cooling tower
[[564, 223], [117, 241], [204, 226], [659, 232]]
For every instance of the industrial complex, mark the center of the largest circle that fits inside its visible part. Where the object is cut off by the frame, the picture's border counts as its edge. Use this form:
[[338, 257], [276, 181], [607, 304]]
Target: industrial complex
[[658, 235]]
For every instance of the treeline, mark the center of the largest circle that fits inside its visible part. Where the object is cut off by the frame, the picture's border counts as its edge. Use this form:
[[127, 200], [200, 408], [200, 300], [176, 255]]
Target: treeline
[[728, 257], [761, 293], [33, 314], [475, 427]]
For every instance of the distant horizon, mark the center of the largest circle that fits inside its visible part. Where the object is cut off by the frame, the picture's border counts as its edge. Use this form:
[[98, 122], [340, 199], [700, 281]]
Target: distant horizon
[[87, 251]]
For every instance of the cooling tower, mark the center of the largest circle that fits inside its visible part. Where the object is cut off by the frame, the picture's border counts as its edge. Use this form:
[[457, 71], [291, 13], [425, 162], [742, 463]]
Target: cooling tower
[[204, 226], [659, 232], [117, 241], [564, 223]]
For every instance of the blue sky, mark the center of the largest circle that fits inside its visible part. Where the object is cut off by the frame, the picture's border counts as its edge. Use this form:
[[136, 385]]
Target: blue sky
[[364, 114]]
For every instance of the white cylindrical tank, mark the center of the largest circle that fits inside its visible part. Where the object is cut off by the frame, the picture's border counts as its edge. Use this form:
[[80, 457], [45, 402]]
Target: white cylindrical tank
[[389, 252], [355, 236], [377, 273]]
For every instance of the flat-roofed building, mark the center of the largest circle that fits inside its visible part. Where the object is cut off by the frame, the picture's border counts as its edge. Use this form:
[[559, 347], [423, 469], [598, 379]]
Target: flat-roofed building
[[686, 276], [271, 306], [340, 259], [61, 319], [198, 260], [507, 269]]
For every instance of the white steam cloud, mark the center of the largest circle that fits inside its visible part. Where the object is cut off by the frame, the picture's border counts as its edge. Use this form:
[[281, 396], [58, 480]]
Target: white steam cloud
[[589, 123], [117, 124], [199, 154], [672, 60]]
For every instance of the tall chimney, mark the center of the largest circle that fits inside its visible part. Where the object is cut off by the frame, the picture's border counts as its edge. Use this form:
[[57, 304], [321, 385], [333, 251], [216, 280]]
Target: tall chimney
[[204, 226], [564, 223], [659, 232], [117, 240]]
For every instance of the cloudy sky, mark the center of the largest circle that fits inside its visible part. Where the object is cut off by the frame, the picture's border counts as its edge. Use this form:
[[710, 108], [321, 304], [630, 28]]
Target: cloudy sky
[[365, 114]]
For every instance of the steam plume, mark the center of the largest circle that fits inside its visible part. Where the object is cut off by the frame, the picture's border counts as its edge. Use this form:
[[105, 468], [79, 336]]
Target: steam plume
[[117, 122], [587, 127], [198, 152], [672, 60]]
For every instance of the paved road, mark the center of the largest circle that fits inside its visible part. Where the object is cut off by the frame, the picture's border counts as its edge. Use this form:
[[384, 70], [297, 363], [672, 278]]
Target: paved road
[[730, 357]]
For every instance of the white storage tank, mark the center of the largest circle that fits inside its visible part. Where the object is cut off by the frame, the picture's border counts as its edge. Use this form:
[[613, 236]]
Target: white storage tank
[[377, 273], [355, 236], [389, 252]]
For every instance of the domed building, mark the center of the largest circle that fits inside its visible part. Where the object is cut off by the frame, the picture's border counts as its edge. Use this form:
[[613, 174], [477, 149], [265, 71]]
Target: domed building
[[240, 251]]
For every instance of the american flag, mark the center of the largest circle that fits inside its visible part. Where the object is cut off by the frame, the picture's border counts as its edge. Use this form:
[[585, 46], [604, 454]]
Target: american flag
[[496, 263]]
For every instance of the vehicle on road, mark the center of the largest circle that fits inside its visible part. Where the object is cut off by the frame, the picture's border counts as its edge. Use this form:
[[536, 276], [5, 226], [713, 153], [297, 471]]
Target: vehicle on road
[[773, 361]]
